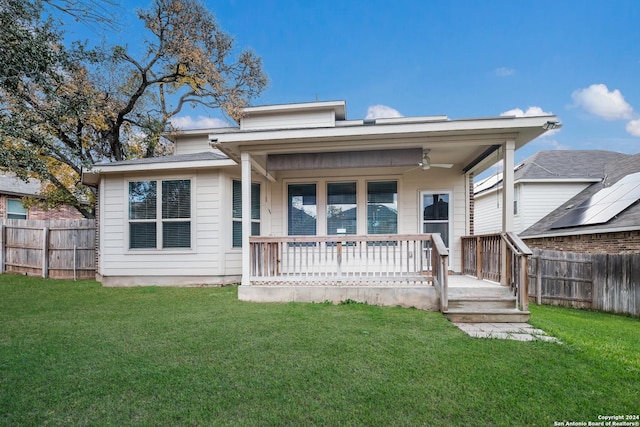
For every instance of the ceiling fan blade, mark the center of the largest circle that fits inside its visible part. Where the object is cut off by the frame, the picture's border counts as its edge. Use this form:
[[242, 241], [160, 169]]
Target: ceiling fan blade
[[442, 165]]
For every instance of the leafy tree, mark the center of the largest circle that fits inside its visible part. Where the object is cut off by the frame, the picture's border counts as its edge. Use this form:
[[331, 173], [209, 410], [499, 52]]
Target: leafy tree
[[65, 108]]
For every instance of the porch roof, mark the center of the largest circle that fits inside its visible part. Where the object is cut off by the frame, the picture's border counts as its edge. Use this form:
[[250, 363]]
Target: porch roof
[[466, 143]]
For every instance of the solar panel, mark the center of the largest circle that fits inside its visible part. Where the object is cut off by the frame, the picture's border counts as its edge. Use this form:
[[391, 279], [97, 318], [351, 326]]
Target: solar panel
[[604, 205]]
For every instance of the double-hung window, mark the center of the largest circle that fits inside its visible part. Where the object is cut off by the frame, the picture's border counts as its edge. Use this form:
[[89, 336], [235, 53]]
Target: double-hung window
[[345, 208], [302, 210], [237, 212], [382, 207], [160, 214], [342, 211], [15, 209]]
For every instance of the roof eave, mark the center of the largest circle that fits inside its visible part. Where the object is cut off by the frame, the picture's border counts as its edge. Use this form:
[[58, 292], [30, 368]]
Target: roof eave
[[421, 133], [92, 177]]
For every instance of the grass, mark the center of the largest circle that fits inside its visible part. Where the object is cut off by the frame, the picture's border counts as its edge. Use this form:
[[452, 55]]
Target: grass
[[75, 353]]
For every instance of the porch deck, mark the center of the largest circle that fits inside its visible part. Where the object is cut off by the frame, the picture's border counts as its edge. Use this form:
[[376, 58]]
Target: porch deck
[[421, 295], [391, 270]]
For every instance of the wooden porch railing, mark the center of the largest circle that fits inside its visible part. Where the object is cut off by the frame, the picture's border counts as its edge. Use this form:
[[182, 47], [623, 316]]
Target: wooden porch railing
[[501, 257], [333, 260]]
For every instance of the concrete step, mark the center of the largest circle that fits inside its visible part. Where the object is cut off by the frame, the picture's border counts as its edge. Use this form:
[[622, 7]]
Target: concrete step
[[482, 303], [487, 316]]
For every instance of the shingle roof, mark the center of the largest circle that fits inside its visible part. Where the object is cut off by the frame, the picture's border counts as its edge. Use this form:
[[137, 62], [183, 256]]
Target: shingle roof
[[627, 219], [207, 155], [566, 164], [560, 165], [10, 184]]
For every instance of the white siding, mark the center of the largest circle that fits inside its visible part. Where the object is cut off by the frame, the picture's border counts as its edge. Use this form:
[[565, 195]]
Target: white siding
[[536, 200], [299, 120], [488, 213], [212, 254], [409, 187], [203, 259], [190, 144], [540, 199]]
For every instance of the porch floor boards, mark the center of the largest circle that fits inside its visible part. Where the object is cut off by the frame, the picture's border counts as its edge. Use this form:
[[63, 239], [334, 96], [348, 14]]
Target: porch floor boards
[[464, 281]]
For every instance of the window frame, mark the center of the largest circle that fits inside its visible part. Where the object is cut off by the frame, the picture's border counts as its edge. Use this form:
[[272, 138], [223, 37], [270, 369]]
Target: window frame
[[322, 200], [159, 220], [236, 221], [14, 213], [397, 203], [343, 183], [319, 219]]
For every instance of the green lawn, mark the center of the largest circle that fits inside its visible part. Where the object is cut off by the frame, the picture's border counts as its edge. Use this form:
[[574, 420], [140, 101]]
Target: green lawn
[[74, 353]]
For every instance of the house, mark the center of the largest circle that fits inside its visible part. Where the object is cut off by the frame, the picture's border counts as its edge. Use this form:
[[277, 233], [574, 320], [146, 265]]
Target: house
[[299, 203], [603, 218], [542, 182], [13, 190]]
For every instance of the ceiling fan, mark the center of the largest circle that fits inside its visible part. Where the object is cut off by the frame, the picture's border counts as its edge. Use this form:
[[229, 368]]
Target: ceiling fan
[[426, 162]]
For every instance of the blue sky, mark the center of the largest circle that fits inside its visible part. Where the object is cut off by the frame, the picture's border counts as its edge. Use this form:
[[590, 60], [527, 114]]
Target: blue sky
[[579, 60]]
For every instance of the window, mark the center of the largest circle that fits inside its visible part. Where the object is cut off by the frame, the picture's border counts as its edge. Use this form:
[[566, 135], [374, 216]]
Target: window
[[341, 208], [435, 215], [15, 209], [516, 196], [302, 210], [162, 225], [237, 212], [382, 207]]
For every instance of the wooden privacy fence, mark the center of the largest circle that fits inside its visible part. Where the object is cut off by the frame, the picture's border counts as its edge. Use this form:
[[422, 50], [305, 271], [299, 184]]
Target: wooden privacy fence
[[606, 282], [61, 249]]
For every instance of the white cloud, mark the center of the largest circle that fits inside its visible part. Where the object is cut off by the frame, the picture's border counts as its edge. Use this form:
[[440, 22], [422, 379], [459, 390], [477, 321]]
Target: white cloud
[[598, 100], [201, 122], [504, 72], [633, 127], [382, 112], [531, 111]]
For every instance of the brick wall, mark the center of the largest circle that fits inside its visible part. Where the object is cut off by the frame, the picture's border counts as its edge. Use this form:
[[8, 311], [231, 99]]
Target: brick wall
[[64, 212], [626, 242]]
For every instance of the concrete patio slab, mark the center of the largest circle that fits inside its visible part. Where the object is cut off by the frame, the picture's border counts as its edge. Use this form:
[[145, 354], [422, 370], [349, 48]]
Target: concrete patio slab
[[505, 331]]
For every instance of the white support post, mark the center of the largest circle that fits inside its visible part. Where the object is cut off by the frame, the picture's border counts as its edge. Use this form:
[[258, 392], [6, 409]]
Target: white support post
[[507, 186], [507, 201], [246, 217]]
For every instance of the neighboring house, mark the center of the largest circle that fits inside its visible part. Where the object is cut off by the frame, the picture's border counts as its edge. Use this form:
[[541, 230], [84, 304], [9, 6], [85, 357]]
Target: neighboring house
[[321, 191], [542, 182], [603, 218], [13, 190]]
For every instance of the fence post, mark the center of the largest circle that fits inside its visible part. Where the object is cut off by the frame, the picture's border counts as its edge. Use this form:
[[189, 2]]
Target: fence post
[[524, 283], [539, 279], [45, 252], [3, 238]]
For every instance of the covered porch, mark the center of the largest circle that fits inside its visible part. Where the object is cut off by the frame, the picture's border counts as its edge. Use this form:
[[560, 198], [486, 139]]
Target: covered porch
[[404, 270], [321, 177]]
